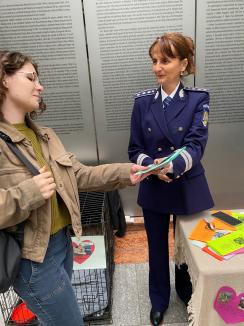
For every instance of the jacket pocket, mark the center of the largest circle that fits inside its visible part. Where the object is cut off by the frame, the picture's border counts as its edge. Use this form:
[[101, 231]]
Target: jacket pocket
[[65, 173], [64, 160]]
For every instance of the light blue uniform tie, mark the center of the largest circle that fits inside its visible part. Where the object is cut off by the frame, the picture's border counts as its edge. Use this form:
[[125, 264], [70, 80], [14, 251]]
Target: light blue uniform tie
[[166, 102]]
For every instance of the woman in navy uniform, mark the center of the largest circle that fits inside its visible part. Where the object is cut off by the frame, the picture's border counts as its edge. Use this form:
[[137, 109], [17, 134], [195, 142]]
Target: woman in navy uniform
[[163, 120]]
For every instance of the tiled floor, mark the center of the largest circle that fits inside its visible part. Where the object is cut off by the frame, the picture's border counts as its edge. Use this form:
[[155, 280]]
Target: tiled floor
[[131, 304]]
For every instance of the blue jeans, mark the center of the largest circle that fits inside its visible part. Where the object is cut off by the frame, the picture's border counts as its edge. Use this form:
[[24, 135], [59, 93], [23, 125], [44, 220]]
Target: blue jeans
[[46, 287]]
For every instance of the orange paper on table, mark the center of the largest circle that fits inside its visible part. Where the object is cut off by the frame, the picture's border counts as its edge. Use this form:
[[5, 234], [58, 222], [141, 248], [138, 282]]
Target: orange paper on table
[[220, 225], [201, 232]]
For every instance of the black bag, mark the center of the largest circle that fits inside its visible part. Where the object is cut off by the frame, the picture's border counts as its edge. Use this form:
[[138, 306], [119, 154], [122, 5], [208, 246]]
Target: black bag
[[10, 244], [10, 255]]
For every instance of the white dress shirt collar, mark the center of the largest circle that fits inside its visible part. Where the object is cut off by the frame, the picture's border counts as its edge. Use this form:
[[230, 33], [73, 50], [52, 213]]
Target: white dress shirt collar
[[164, 95]]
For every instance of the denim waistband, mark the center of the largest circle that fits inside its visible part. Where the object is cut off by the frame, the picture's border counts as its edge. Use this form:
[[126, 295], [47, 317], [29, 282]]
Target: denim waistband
[[64, 230]]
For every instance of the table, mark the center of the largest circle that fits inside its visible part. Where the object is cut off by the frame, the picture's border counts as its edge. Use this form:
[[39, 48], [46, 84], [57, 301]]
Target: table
[[207, 274]]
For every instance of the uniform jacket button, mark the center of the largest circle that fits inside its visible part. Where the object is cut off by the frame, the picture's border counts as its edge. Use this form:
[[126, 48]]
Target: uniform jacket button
[[180, 128], [149, 129], [159, 149], [172, 148]]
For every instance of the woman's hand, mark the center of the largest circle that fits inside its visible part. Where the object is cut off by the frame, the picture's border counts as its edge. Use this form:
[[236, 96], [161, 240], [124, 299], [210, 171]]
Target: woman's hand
[[45, 182], [161, 173], [138, 178]]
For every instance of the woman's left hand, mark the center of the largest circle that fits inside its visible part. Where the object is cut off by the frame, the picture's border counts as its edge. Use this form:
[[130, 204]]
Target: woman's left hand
[[162, 173]]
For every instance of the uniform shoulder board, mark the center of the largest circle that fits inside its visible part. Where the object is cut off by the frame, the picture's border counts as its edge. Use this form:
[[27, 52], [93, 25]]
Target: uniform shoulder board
[[145, 93], [196, 89]]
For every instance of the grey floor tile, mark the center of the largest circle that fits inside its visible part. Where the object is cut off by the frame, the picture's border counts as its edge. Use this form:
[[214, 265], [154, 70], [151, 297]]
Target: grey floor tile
[[125, 310], [131, 305], [143, 295]]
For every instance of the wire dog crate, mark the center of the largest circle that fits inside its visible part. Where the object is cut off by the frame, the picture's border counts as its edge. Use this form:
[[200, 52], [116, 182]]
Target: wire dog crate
[[93, 287], [14, 312]]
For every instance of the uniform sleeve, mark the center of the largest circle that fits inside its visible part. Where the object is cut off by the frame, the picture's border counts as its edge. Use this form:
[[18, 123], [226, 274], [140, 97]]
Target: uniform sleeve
[[195, 139], [136, 148]]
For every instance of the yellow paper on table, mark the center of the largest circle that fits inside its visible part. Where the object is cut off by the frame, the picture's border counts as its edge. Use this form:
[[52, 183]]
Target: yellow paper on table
[[201, 232], [228, 243], [240, 227], [238, 215]]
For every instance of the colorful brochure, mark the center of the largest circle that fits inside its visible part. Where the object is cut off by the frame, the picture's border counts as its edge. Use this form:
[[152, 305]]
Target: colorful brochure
[[228, 243], [162, 164], [202, 232]]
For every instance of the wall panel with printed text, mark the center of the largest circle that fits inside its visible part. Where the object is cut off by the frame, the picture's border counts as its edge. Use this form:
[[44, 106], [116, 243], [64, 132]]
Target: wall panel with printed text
[[220, 68], [52, 31], [119, 34]]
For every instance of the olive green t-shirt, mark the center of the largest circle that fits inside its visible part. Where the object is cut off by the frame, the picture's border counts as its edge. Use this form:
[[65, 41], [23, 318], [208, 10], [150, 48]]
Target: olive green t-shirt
[[60, 216]]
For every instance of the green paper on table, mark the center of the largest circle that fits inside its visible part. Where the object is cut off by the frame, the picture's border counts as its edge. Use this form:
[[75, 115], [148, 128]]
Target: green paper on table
[[240, 217], [163, 163], [228, 243]]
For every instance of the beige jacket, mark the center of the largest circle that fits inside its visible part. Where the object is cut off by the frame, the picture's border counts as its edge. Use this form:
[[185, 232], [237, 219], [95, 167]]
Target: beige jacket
[[20, 198]]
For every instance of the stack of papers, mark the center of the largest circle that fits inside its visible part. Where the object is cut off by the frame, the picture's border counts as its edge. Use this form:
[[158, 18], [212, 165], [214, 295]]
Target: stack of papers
[[162, 164], [228, 243], [219, 239]]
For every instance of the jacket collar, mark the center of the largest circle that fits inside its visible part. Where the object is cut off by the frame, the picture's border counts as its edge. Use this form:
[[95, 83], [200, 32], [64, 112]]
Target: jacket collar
[[159, 114], [17, 136], [177, 104], [163, 117]]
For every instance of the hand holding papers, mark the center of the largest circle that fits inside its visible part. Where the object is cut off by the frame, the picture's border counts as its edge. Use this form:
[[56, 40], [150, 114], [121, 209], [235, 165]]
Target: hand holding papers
[[163, 163]]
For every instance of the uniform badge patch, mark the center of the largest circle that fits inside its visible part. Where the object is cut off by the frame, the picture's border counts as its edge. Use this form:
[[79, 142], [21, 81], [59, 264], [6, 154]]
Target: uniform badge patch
[[205, 118]]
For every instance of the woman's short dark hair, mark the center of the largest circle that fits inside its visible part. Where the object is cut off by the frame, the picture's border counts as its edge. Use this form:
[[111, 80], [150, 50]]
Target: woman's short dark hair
[[176, 45], [10, 63]]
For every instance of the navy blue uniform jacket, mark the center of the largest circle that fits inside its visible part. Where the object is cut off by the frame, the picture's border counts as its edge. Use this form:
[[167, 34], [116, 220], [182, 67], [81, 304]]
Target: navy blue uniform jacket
[[155, 133]]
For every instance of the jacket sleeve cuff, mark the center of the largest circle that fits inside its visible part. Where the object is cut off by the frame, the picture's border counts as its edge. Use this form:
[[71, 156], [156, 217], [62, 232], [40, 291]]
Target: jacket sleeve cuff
[[182, 164], [144, 160], [31, 196]]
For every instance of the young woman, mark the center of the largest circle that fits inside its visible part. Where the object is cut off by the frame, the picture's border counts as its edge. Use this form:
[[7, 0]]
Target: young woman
[[163, 120], [47, 202]]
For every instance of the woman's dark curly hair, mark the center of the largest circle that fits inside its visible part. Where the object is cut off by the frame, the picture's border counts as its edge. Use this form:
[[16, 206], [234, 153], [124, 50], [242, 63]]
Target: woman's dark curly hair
[[10, 63]]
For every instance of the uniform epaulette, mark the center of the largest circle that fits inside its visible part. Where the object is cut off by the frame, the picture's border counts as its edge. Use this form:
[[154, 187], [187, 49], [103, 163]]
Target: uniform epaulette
[[145, 93], [196, 89]]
